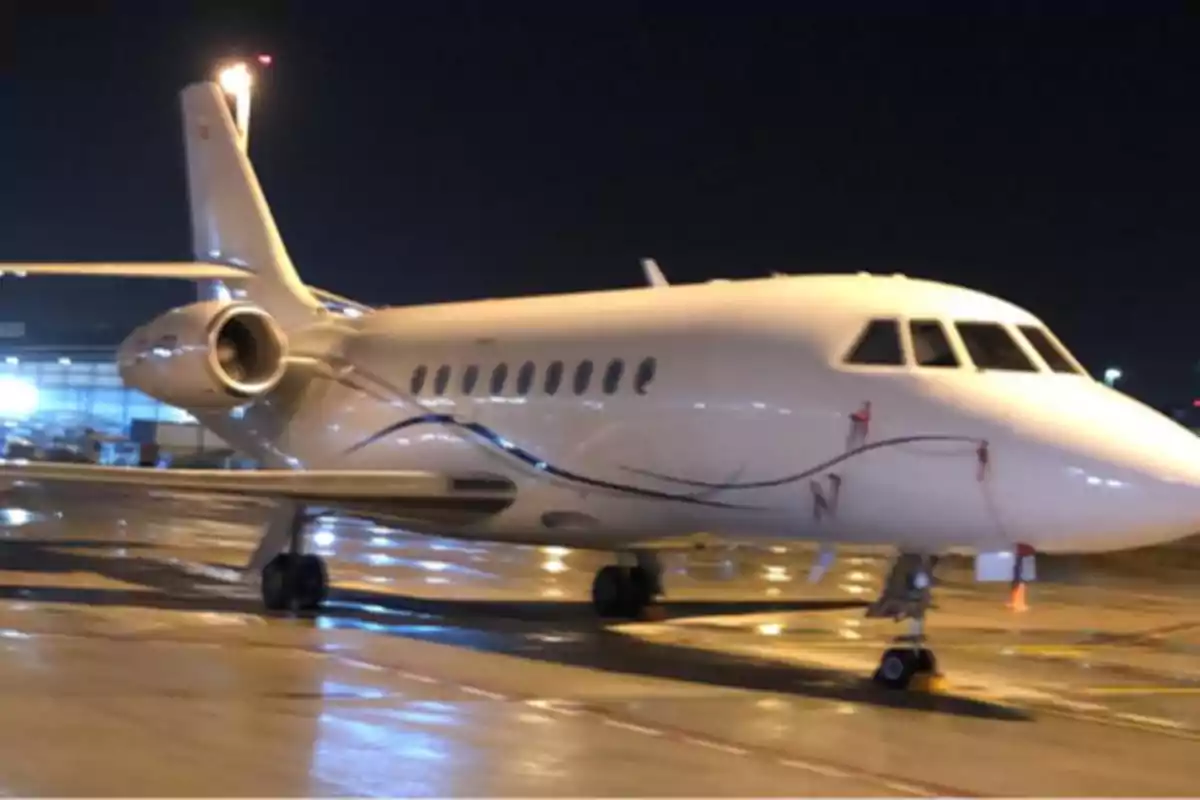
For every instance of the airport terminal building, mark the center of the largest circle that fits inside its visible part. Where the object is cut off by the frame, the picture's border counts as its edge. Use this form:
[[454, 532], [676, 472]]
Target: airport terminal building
[[55, 384]]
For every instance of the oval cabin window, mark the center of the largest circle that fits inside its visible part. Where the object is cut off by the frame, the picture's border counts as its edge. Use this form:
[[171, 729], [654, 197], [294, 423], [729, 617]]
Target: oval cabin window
[[418, 379], [612, 376], [583, 376], [499, 376], [441, 379], [645, 374], [525, 378], [554, 374], [470, 379]]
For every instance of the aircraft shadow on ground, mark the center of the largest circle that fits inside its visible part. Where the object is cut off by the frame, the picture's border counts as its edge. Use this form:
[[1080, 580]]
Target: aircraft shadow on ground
[[583, 641], [576, 637]]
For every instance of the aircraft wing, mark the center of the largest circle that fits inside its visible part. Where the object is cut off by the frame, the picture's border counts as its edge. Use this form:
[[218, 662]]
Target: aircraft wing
[[183, 270], [415, 496]]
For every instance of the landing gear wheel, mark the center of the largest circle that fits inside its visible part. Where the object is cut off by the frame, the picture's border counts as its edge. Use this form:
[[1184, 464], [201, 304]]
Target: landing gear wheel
[[645, 587], [290, 580], [622, 592], [276, 583], [311, 582], [900, 665]]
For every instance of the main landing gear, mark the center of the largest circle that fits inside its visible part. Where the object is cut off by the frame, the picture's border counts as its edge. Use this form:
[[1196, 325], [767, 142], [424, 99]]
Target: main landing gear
[[291, 580], [294, 581], [627, 591], [907, 594]]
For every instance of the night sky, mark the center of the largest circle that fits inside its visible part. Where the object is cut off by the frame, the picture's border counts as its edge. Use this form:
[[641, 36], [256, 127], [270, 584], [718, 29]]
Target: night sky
[[440, 150]]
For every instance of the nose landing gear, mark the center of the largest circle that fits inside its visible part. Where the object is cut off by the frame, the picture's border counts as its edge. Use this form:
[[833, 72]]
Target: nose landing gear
[[907, 594], [901, 665]]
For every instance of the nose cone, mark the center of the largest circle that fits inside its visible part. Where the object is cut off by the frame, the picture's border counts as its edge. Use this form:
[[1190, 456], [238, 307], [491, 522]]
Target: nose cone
[[1091, 469]]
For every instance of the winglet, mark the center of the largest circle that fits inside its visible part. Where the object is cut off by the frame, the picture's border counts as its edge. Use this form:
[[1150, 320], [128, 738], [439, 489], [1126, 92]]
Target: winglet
[[654, 275]]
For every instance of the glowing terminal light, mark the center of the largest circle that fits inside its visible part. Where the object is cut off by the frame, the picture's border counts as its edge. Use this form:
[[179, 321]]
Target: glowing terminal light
[[18, 398]]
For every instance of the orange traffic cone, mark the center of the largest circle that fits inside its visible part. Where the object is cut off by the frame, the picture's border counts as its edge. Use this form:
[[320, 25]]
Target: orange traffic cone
[[1016, 598]]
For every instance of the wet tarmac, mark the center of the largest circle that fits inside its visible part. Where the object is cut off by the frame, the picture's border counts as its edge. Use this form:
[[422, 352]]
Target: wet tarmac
[[133, 666]]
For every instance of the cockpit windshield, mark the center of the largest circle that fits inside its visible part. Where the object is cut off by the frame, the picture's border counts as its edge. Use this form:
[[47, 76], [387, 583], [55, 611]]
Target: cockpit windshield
[[931, 347], [986, 345], [1051, 351], [879, 344], [991, 347]]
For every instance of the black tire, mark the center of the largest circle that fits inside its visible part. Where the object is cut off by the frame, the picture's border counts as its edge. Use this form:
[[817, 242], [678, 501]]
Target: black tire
[[277, 583], [643, 589], [897, 668], [611, 592], [926, 662], [311, 582]]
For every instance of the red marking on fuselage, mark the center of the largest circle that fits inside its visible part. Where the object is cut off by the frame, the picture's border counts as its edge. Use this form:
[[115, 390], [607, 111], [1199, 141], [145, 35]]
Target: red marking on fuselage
[[860, 427]]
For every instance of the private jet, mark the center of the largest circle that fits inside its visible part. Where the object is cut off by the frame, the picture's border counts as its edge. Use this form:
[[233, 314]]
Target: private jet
[[837, 409]]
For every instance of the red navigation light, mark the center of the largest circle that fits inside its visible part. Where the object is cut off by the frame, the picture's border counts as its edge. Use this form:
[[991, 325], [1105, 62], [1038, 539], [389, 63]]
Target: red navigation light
[[1196, 403], [265, 60]]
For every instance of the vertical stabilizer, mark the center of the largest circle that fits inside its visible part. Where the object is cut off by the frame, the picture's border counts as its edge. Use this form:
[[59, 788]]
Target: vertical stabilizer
[[231, 222]]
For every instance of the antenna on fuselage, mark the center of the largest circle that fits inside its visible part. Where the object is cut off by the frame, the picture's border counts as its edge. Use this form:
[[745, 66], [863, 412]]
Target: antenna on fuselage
[[654, 275]]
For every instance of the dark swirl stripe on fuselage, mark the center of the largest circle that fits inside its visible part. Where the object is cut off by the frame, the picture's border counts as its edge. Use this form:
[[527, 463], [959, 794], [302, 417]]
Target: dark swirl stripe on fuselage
[[541, 465], [811, 471], [532, 461]]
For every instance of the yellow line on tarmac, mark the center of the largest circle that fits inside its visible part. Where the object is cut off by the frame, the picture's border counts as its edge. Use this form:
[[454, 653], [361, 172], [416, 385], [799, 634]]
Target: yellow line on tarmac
[[1052, 650], [1131, 690]]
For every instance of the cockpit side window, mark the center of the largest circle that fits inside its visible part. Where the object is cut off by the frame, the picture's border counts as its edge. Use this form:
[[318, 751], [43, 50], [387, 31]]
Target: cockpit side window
[[879, 343], [992, 347], [931, 346], [1050, 351]]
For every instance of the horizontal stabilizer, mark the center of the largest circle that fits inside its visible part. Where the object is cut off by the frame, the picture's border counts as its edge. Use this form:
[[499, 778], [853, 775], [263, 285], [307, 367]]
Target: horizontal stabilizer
[[182, 270]]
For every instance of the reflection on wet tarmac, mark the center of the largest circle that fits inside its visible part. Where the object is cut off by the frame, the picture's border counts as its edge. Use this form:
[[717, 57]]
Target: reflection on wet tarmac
[[444, 668]]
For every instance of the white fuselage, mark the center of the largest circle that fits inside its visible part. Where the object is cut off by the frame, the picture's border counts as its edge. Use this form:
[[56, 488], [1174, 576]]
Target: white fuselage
[[745, 428], [834, 408]]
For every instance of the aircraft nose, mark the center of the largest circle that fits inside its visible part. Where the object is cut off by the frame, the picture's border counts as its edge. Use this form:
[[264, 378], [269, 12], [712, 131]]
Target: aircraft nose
[[1105, 474]]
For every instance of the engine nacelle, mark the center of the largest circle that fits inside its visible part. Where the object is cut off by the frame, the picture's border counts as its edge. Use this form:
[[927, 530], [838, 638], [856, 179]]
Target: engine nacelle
[[213, 354]]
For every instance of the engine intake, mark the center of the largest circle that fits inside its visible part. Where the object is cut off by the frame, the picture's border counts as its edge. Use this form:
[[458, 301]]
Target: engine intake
[[206, 355], [246, 351]]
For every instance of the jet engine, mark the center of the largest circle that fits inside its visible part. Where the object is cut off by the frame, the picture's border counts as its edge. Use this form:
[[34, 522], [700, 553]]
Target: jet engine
[[209, 355]]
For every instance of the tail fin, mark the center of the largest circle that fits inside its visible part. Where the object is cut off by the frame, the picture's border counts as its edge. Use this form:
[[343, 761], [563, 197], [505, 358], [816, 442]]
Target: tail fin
[[231, 222]]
